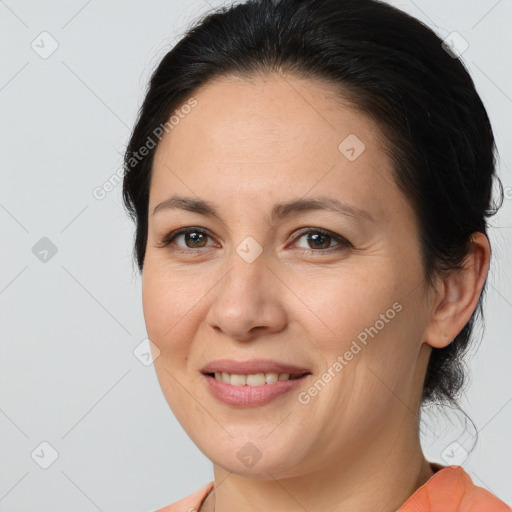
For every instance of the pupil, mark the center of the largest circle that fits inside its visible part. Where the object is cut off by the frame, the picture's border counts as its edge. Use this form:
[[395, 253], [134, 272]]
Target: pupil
[[194, 236], [316, 237]]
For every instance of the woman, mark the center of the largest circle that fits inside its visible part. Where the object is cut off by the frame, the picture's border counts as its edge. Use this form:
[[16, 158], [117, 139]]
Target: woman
[[310, 182]]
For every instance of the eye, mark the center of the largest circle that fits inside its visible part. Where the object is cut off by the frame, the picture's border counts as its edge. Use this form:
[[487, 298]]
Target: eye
[[321, 239], [194, 238]]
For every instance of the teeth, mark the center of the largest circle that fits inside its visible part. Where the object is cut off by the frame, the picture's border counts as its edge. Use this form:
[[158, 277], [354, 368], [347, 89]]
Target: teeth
[[254, 379]]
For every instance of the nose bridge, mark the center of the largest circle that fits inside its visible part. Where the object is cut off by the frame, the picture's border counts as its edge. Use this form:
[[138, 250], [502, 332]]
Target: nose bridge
[[247, 269], [243, 298], [247, 258]]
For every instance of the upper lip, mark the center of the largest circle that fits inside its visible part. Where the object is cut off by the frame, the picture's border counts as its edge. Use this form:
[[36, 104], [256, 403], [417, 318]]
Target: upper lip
[[252, 366]]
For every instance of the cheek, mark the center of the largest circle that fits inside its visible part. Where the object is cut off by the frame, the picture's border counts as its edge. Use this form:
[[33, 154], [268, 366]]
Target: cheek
[[173, 302], [171, 308], [368, 317], [166, 301], [340, 305]]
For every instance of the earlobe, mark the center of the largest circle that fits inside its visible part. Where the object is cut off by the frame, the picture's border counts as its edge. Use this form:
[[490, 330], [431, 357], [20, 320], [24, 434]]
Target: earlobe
[[458, 295]]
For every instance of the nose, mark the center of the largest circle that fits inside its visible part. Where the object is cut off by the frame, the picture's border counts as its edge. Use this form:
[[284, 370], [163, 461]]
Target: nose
[[248, 302]]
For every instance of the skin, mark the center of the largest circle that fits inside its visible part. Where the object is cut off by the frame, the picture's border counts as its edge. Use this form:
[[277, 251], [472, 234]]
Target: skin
[[247, 145]]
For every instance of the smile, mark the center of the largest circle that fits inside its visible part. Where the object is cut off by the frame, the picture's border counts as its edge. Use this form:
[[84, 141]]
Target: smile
[[252, 390], [253, 379]]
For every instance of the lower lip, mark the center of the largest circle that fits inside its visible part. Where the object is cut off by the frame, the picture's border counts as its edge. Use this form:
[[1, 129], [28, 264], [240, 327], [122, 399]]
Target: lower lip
[[250, 396]]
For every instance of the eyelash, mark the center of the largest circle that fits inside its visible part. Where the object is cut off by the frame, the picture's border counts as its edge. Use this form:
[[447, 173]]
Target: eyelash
[[168, 240]]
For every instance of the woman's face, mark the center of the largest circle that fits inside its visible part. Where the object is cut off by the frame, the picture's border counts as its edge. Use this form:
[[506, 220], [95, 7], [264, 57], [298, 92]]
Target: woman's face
[[337, 293]]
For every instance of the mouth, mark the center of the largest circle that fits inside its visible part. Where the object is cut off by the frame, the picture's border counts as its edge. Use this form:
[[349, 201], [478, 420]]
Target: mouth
[[255, 379], [253, 389], [254, 382]]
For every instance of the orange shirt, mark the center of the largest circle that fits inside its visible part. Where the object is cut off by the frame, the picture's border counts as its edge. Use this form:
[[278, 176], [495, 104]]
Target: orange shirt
[[449, 489]]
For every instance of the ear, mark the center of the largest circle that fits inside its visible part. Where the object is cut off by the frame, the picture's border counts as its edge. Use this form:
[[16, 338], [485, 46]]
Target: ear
[[458, 294]]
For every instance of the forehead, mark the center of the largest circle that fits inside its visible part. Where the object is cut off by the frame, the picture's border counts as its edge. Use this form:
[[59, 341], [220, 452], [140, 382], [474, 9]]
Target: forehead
[[270, 115], [272, 135]]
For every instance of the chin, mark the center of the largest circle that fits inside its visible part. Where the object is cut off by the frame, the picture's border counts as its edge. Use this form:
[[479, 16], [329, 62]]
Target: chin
[[261, 457]]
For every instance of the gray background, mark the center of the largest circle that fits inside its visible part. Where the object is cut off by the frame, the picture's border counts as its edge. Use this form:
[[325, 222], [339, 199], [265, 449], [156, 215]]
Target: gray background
[[69, 324]]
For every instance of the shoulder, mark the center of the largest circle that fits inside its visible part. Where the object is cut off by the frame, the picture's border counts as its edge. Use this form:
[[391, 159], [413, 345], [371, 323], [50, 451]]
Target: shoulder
[[190, 503], [451, 488], [478, 499]]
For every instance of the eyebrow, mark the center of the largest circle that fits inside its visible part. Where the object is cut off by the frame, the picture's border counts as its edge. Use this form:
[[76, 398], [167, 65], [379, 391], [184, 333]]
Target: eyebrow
[[279, 210]]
